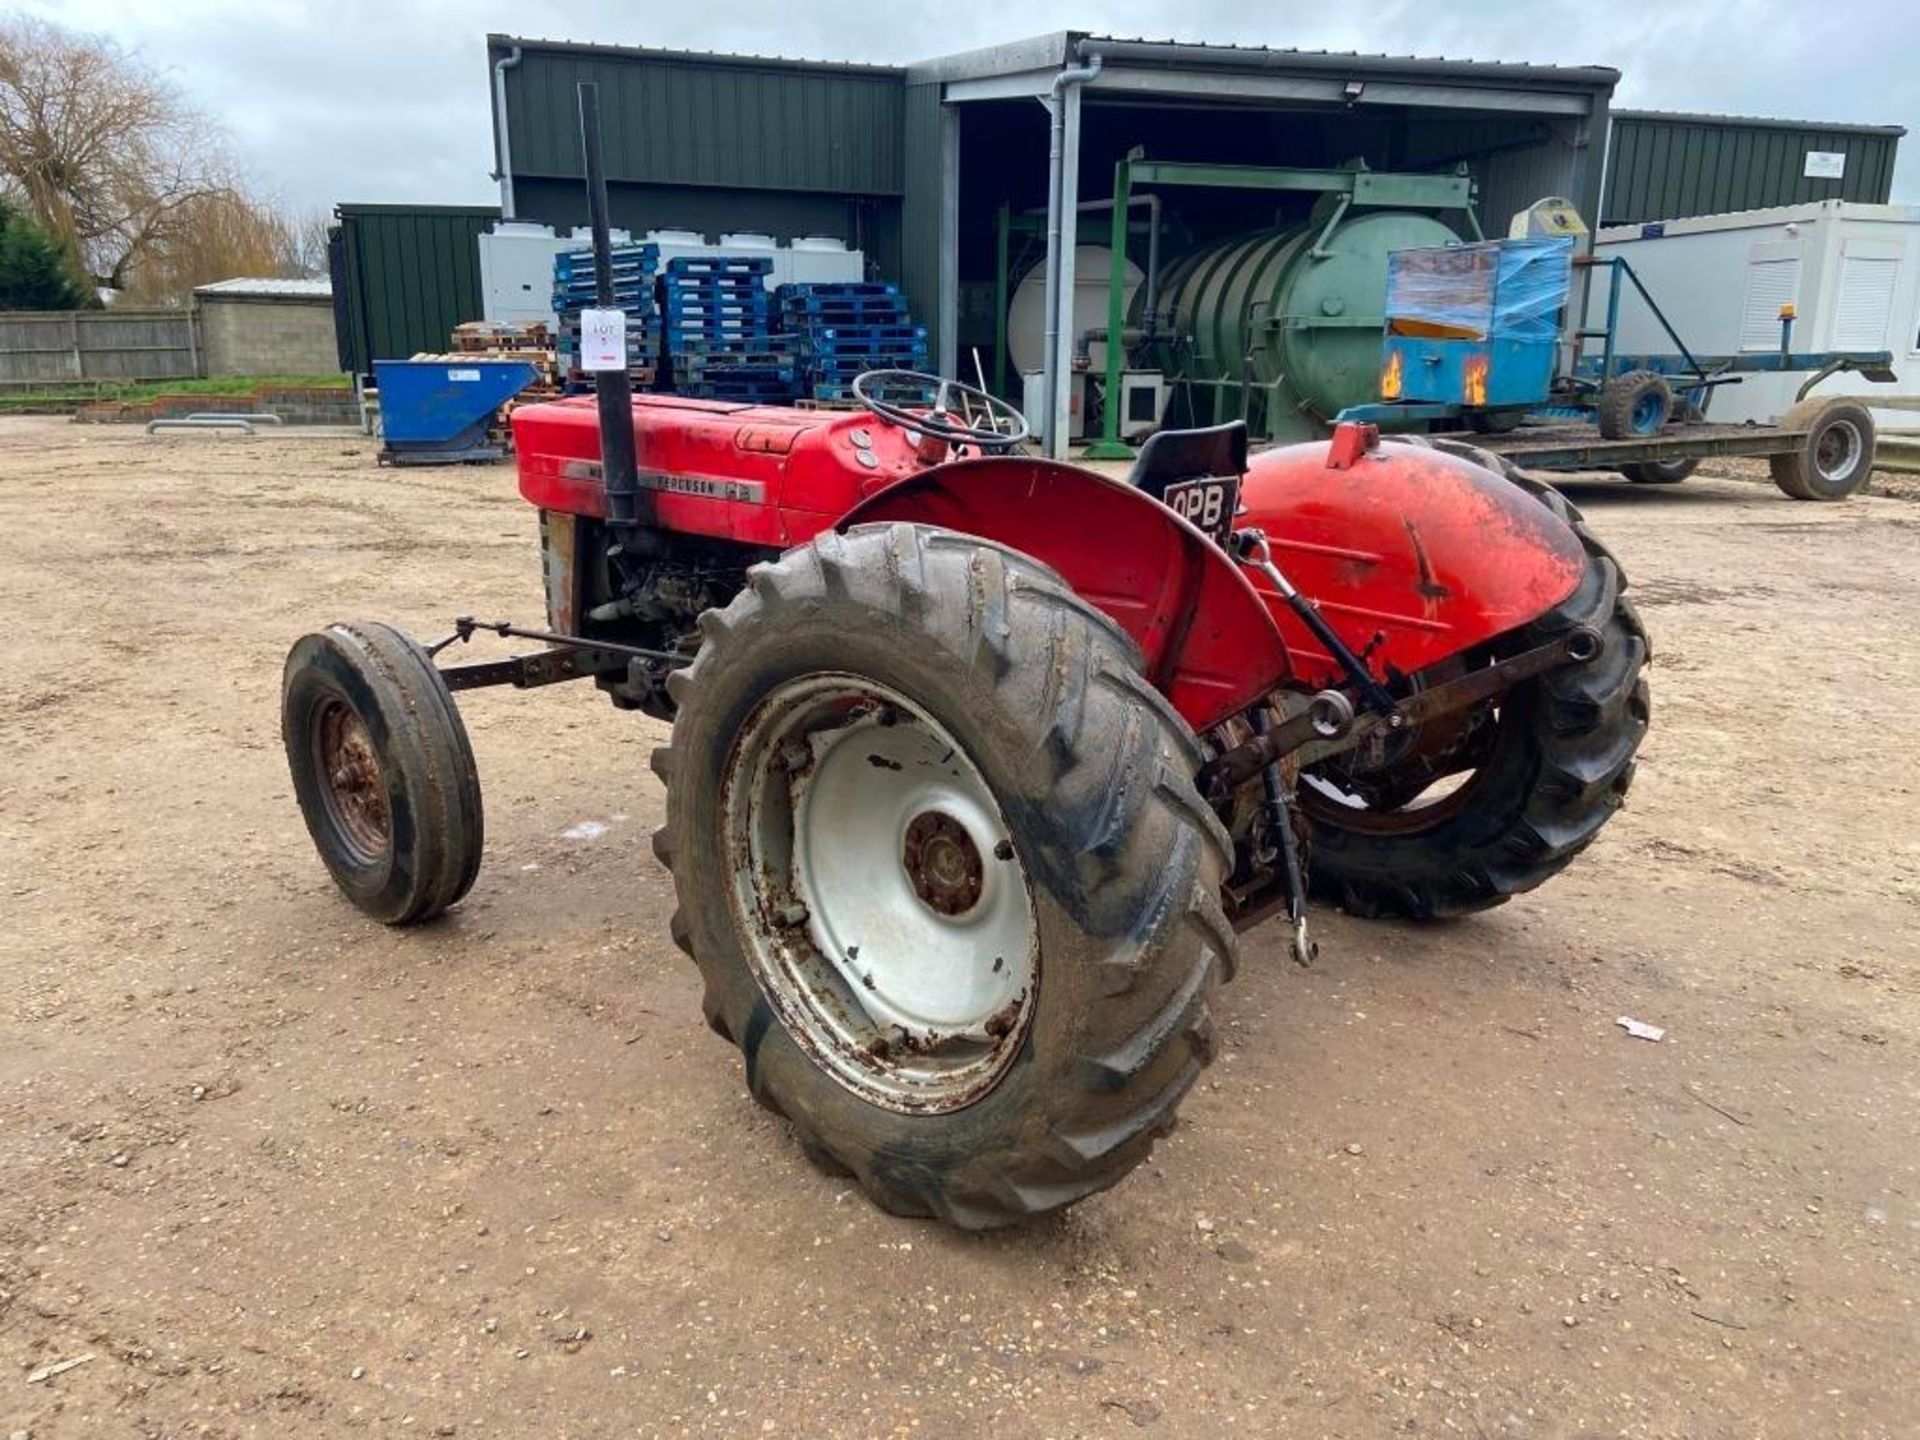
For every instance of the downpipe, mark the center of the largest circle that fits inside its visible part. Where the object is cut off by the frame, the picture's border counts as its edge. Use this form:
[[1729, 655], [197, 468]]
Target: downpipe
[[503, 146], [1056, 185]]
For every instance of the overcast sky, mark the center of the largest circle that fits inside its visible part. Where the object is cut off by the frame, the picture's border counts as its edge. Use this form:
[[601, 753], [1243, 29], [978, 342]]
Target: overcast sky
[[331, 100]]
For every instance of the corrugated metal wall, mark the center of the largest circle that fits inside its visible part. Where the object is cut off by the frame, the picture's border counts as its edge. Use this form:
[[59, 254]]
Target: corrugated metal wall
[[408, 275], [1663, 167], [920, 213], [728, 121], [1515, 160]]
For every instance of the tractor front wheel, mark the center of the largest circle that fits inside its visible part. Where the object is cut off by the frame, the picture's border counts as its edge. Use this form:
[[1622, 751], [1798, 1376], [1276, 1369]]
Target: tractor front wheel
[[940, 862], [382, 769]]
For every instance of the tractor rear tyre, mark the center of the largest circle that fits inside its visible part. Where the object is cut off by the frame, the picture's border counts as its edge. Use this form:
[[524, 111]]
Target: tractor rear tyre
[[382, 769], [941, 865], [1836, 459], [1553, 760]]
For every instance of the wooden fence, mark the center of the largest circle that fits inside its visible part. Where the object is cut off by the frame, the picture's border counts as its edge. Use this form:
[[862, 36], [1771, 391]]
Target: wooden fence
[[69, 347]]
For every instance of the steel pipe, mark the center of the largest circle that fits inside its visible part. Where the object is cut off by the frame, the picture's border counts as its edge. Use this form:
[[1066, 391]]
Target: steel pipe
[[1053, 422], [502, 144]]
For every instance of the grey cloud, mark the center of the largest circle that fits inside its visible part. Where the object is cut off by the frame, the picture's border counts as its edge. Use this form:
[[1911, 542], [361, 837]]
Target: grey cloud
[[355, 100]]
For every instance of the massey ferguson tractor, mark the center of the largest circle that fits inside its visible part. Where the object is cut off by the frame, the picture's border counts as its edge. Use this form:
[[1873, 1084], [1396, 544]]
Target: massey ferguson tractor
[[979, 761]]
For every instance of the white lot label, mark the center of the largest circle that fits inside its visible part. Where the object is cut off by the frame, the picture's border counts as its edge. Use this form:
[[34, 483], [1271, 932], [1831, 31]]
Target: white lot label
[[603, 339], [1826, 165], [458, 375]]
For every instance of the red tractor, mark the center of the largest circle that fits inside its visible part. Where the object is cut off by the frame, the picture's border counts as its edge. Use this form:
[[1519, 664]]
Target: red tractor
[[980, 761]]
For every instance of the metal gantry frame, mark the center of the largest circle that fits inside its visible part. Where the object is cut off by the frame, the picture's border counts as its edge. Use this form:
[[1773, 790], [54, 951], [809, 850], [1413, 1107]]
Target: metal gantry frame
[[1354, 186]]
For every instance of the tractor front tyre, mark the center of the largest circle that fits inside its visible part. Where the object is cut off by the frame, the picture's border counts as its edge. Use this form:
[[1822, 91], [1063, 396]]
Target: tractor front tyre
[[942, 867], [1551, 761], [1835, 460], [382, 770]]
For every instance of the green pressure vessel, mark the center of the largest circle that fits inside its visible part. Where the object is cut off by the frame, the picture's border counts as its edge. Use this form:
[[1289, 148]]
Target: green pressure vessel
[[1304, 327]]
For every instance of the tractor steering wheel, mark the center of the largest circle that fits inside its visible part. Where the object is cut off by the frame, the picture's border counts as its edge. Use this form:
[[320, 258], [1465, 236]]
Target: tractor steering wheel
[[977, 418]]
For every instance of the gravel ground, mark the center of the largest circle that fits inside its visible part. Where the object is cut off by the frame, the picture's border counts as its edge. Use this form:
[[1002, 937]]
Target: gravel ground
[[277, 1171]]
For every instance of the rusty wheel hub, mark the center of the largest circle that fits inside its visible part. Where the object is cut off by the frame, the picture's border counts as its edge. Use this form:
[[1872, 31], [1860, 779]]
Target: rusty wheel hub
[[885, 911], [355, 790], [943, 863]]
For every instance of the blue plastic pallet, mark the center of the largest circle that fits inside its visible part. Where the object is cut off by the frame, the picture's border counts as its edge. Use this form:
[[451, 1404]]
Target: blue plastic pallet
[[720, 265], [836, 390], [879, 337], [804, 294], [573, 264], [868, 358], [677, 306], [715, 329], [628, 294], [855, 308]]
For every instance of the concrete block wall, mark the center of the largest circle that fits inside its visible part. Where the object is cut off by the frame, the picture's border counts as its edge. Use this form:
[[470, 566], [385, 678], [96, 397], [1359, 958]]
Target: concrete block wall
[[259, 335]]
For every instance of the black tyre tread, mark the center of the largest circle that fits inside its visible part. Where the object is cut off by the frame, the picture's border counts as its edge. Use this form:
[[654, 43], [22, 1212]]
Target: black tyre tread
[[1660, 472], [449, 817], [1792, 473], [1618, 396], [1586, 730], [1153, 851]]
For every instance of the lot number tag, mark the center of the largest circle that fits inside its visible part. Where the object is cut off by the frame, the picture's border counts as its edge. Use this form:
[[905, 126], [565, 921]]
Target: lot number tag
[[603, 339]]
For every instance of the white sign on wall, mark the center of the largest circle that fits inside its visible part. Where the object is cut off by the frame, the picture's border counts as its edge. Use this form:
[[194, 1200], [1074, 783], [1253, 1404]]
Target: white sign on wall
[[1826, 165], [603, 340]]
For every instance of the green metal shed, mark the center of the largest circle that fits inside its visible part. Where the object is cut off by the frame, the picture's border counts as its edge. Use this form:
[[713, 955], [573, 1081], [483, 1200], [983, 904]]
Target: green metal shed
[[1666, 165], [403, 277], [710, 143]]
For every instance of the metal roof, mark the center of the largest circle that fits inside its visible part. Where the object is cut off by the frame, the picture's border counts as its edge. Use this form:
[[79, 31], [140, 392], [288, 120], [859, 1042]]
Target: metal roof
[[269, 288], [686, 57], [1759, 122], [1054, 48]]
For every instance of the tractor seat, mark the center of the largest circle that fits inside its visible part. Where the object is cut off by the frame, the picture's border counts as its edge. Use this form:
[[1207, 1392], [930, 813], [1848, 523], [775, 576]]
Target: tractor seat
[[1170, 456]]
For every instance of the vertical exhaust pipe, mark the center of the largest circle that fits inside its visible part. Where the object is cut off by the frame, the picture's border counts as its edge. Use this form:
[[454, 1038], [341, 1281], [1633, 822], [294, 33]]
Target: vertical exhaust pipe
[[613, 389]]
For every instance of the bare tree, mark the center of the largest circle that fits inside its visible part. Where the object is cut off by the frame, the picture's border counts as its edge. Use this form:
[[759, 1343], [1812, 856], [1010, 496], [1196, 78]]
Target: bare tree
[[307, 243], [103, 152]]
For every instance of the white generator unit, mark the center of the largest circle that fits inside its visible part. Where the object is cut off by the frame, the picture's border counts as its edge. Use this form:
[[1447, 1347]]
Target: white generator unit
[[1143, 401], [1851, 272], [516, 262]]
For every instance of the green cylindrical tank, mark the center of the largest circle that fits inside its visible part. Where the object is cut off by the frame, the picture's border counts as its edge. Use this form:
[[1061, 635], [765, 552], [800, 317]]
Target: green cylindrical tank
[[1305, 328]]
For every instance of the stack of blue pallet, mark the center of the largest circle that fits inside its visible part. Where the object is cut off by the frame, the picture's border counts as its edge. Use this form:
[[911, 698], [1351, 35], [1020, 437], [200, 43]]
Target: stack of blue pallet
[[717, 318], [634, 268], [839, 330]]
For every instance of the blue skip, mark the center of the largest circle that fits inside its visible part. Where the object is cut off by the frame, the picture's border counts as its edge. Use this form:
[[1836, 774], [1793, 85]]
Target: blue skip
[[436, 412]]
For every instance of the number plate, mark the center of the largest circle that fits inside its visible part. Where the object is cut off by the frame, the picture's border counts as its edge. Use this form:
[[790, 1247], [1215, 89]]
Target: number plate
[[1208, 504]]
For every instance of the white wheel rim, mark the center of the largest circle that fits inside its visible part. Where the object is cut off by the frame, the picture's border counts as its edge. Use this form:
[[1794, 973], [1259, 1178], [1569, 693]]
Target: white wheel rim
[[884, 907]]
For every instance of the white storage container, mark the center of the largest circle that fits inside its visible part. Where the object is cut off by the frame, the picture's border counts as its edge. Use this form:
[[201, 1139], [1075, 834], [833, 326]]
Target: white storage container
[[1851, 271]]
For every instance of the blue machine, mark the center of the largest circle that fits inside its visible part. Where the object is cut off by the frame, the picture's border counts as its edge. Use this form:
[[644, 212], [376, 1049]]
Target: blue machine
[[1475, 325], [1473, 334], [437, 411]]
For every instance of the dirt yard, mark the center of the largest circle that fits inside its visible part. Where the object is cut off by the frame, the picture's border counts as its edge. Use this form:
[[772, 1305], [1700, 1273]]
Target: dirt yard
[[276, 1171]]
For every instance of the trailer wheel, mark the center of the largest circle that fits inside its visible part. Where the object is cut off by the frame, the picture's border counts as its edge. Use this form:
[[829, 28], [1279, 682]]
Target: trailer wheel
[[1836, 460], [943, 870], [1661, 472], [1634, 406], [382, 769], [1533, 776]]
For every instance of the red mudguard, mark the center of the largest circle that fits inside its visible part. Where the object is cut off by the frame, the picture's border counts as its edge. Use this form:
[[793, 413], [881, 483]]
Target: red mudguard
[[1209, 644], [1431, 553]]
